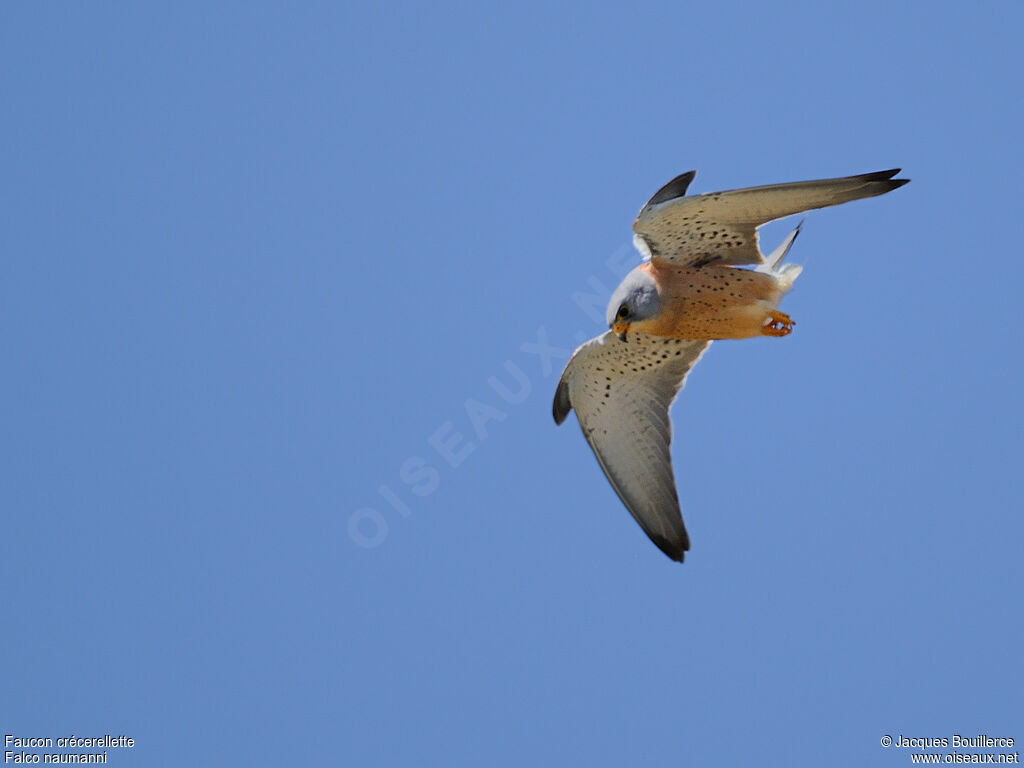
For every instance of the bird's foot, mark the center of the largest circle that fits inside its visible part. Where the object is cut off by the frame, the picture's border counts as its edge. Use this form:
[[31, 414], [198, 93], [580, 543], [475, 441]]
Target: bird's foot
[[777, 324]]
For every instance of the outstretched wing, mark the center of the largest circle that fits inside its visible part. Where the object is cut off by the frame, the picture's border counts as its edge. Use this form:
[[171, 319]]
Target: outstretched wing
[[622, 392], [721, 227]]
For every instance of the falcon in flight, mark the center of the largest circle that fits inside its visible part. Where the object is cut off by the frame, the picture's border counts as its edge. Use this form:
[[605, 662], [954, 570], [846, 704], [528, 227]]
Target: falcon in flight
[[691, 289]]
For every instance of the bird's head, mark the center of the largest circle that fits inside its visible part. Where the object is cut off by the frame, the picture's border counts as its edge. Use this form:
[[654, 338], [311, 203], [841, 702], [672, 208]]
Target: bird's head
[[634, 300]]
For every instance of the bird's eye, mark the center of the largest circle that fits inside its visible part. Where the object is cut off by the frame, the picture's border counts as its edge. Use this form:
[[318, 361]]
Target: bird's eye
[[623, 312]]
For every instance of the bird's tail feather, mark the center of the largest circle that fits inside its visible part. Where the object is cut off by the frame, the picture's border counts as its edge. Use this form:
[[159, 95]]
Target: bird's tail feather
[[784, 273]]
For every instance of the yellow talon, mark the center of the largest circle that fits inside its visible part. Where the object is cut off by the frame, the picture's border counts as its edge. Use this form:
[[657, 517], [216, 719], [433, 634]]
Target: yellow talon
[[777, 324]]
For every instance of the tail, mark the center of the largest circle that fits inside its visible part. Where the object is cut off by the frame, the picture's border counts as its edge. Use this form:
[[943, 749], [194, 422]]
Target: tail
[[784, 273]]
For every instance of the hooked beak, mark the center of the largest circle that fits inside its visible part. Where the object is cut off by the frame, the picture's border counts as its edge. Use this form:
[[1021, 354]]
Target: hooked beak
[[620, 330]]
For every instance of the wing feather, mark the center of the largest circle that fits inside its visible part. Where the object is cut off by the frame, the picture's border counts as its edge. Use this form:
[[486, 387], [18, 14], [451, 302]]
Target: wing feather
[[721, 227], [624, 414]]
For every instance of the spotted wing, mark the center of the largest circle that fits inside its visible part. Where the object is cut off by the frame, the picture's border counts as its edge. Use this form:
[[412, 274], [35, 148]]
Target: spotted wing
[[622, 392], [721, 227]]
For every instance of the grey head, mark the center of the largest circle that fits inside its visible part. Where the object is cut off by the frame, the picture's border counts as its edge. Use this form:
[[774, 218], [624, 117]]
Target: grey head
[[635, 299]]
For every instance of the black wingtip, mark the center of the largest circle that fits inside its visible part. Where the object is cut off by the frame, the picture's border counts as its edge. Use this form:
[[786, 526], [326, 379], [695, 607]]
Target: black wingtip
[[881, 175], [888, 183], [561, 406], [675, 550], [675, 188], [676, 553]]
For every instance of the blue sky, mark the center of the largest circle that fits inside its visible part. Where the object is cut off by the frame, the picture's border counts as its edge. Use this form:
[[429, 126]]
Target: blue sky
[[261, 261]]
